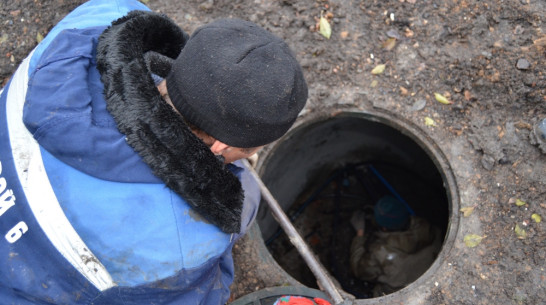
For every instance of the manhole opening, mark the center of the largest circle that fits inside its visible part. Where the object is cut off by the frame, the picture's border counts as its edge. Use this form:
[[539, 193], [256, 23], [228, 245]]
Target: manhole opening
[[322, 172]]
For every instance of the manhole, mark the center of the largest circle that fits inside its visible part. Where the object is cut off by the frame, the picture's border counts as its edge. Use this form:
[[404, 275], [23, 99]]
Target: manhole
[[326, 169]]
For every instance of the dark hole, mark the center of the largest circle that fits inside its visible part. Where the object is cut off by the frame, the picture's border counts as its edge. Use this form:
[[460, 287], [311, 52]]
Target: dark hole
[[321, 173]]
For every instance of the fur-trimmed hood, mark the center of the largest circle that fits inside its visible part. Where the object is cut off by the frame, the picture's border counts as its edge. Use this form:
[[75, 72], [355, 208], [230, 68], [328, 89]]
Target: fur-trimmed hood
[[152, 128]]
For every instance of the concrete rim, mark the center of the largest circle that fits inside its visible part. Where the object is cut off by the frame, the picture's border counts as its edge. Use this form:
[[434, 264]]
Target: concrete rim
[[424, 282]]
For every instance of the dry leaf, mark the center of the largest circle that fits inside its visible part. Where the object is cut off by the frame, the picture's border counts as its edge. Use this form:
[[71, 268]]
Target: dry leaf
[[324, 28], [378, 69], [39, 37], [467, 211], [520, 202], [541, 42], [442, 99], [389, 44], [403, 91], [517, 201], [520, 233], [467, 95], [472, 240], [418, 105], [523, 125], [344, 34], [429, 121], [536, 218], [373, 84], [501, 134]]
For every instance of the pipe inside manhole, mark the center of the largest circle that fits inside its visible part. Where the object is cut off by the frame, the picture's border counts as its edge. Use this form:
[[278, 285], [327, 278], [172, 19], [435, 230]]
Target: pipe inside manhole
[[325, 170]]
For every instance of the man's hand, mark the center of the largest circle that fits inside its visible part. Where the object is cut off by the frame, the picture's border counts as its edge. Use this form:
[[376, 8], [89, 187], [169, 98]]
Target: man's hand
[[358, 222]]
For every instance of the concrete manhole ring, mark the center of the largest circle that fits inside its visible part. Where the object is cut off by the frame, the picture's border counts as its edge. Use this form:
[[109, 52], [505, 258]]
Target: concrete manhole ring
[[333, 138]]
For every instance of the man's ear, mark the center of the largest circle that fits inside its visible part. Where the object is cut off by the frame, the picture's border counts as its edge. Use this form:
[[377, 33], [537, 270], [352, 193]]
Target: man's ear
[[218, 147]]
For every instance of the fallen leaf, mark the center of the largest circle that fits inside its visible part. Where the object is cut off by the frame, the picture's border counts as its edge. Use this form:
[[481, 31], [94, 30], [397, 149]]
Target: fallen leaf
[[39, 37], [472, 240], [403, 91], [442, 99], [467, 95], [429, 121], [520, 233], [378, 69], [373, 84], [344, 34], [501, 134], [523, 125], [467, 211], [389, 44], [536, 218], [520, 202], [418, 105], [541, 42], [324, 28]]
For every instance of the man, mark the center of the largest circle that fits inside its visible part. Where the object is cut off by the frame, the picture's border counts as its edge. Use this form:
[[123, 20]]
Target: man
[[119, 179], [399, 253]]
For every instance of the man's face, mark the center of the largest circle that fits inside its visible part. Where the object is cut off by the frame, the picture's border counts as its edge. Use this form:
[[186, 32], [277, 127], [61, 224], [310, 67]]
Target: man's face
[[229, 153], [234, 153]]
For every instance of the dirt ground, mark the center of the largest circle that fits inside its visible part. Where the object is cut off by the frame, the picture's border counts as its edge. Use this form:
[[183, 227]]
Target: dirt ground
[[488, 58]]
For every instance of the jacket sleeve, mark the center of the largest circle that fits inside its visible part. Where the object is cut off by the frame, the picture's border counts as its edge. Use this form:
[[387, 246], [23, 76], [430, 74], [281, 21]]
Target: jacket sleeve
[[66, 113], [363, 265]]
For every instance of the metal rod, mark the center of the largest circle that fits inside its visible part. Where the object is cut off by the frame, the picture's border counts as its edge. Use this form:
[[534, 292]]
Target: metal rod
[[324, 280]]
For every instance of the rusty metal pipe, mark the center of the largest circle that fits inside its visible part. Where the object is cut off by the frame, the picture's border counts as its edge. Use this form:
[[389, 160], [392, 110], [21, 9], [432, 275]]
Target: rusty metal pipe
[[322, 276]]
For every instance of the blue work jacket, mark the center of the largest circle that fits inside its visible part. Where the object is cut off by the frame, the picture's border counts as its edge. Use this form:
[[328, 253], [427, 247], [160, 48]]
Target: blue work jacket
[[83, 220]]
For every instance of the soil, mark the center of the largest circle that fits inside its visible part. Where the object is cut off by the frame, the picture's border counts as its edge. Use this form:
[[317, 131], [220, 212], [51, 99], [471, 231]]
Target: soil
[[486, 57]]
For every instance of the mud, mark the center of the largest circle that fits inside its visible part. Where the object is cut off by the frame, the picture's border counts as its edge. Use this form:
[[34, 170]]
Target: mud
[[487, 57]]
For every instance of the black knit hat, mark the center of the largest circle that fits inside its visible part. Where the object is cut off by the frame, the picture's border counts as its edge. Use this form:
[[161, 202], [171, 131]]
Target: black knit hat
[[237, 82]]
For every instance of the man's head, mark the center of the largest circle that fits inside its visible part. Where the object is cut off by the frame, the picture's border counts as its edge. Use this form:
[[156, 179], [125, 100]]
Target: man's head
[[391, 214], [228, 153], [239, 84]]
